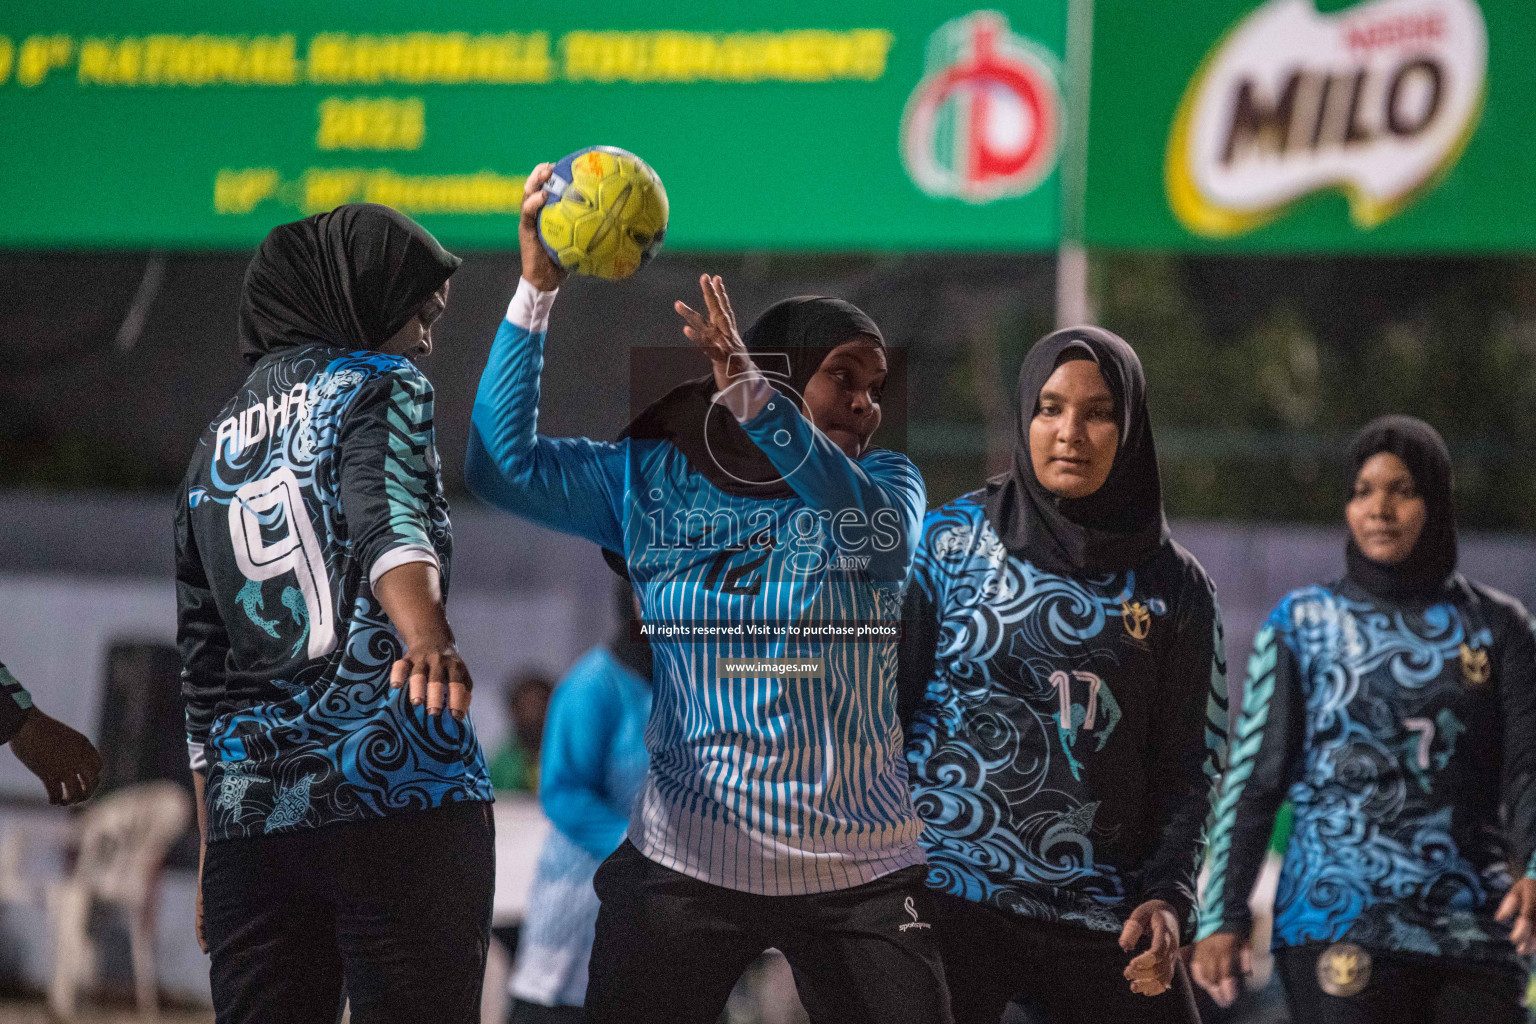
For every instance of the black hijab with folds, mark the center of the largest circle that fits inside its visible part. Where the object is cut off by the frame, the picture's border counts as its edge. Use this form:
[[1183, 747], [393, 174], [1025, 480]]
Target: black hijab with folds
[[1423, 574], [788, 343], [1120, 525], [350, 278]]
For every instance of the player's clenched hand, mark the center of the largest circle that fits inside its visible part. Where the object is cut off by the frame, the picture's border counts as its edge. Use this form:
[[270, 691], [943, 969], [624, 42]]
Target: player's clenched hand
[[1220, 962], [716, 335], [1151, 973], [436, 676], [64, 760], [538, 269], [1519, 906]]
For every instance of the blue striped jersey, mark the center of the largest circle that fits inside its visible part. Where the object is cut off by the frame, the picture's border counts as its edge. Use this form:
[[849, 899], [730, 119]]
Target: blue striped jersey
[[776, 785]]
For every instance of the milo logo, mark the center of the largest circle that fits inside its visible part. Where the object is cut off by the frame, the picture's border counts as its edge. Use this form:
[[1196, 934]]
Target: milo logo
[[983, 123], [1377, 101]]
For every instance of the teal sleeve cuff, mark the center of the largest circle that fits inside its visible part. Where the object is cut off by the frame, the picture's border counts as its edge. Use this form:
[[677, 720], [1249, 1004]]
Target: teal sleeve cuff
[[14, 705]]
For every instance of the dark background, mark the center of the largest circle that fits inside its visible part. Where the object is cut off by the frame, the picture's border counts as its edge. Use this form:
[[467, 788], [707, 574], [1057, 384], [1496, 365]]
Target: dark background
[[1259, 368]]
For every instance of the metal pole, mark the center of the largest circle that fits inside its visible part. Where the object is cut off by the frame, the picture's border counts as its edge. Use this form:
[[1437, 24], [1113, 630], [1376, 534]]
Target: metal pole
[[1073, 305], [1072, 285]]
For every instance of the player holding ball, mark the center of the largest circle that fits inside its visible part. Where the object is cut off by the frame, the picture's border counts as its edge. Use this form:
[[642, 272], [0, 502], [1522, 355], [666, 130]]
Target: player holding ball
[[775, 812]]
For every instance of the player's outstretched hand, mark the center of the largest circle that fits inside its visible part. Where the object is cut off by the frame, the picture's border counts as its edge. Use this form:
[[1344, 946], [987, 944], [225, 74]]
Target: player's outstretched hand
[[1151, 973], [716, 335], [538, 269], [64, 760], [1519, 906], [1219, 964]]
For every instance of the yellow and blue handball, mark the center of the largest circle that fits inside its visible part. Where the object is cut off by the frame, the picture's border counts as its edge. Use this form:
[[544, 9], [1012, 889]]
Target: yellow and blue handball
[[606, 214]]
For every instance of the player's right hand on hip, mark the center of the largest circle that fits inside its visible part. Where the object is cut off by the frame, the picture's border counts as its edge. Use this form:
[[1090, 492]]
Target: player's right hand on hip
[[538, 269], [1219, 964], [436, 677]]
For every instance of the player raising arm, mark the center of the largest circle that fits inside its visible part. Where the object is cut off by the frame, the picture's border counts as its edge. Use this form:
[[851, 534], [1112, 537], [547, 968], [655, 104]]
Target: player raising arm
[[775, 811]]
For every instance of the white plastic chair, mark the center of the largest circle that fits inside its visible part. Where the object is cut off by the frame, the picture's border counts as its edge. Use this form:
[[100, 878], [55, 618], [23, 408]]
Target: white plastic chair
[[124, 839], [14, 888]]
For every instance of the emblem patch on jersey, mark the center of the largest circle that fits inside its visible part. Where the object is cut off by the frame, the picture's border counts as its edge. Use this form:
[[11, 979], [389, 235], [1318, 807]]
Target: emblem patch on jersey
[[1344, 970], [1474, 665], [1137, 618]]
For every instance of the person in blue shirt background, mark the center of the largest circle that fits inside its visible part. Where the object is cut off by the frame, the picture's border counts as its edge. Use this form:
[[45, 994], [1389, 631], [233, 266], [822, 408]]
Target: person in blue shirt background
[[1396, 709], [592, 766], [775, 813]]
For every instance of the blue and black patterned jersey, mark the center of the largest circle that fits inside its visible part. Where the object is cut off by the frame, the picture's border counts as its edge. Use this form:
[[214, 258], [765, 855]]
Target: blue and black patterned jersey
[[1406, 738], [317, 477], [1064, 731]]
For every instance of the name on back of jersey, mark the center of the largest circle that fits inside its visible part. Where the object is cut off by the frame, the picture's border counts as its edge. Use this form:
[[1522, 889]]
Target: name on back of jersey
[[269, 418]]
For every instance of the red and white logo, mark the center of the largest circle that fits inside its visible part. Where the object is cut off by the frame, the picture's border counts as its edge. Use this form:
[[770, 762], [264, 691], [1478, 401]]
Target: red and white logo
[[983, 123]]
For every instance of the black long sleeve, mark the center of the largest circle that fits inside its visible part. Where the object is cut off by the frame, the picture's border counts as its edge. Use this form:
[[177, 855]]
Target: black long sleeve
[[1264, 756], [1189, 735], [916, 653], [317, 477], [201, 637]]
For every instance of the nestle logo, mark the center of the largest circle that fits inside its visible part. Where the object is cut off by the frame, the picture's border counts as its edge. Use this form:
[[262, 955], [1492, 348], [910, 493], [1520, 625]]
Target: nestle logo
[[1405, 28]]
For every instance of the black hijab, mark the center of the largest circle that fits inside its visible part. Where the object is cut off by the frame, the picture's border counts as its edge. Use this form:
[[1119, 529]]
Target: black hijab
[[350, 278], [1421, 575], [1120, 525], [627, 646], [788, 343]]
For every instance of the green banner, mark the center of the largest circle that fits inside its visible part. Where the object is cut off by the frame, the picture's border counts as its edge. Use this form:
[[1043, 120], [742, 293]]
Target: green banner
[[869, 124], [1385, 125]]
